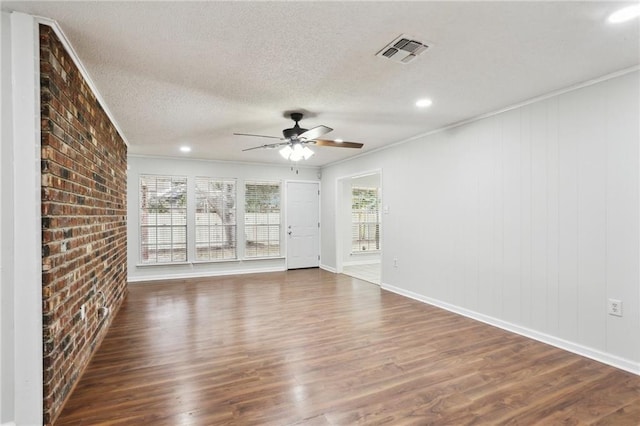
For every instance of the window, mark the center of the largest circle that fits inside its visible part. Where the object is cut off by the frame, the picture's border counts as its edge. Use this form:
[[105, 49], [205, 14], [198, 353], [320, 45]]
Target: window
[[163, 219], [215, 219], [262, 219], [365, 219]]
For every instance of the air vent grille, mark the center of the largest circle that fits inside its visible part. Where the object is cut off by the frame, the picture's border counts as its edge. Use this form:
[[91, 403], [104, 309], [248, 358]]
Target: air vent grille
[[390, 52], [408, 58], [401, 43], [403, 49]]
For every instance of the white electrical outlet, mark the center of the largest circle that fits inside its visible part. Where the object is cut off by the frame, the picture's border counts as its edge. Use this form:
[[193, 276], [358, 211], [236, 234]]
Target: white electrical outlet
[[395, 262], [614, 307]]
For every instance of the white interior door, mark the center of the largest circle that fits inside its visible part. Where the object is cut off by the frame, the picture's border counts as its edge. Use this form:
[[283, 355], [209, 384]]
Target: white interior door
[[303, 224]]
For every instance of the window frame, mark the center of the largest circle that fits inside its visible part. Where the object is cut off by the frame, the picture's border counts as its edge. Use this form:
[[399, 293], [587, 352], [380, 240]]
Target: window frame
[[143, 243], [365, 224], [224, 226], [270, 226]]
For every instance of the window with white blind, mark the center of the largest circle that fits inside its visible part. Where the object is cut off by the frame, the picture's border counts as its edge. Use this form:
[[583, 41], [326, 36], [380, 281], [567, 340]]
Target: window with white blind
[[262, 219], [365, 219], [163, 219], [215, 219]]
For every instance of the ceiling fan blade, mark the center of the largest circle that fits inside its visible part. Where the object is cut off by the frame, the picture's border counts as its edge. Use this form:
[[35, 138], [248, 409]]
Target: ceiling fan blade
[[267, 146], [325, 142], [315, 132], [258, 136]]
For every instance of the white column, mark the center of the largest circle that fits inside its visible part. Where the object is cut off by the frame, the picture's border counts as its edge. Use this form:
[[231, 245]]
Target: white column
[[27, 265]]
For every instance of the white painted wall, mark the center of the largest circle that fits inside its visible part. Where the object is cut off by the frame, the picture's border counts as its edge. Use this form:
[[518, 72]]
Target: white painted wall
[[528, 219], [21, 316], [192, 169]]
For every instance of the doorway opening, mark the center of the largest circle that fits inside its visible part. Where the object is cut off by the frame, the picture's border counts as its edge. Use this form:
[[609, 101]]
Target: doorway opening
[[359, 226]]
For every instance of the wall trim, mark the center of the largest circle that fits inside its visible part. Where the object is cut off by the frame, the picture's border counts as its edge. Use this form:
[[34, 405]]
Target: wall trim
[[493, 113], [594, 354], [328, 268], [83, 71], [243, 163], [203, 274]]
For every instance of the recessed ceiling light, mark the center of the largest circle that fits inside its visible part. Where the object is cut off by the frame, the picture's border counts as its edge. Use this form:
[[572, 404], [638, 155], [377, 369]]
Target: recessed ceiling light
[[338, 140], [625, 14], [185, 149], [423, 103]]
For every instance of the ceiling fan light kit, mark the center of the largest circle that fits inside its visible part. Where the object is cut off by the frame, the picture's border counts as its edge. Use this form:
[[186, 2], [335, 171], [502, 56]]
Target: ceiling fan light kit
[[296, 153], [294, 147], [286, 152]]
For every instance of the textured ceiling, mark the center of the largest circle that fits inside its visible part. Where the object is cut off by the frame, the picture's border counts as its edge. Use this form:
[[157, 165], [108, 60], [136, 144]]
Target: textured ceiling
[[193, 73]]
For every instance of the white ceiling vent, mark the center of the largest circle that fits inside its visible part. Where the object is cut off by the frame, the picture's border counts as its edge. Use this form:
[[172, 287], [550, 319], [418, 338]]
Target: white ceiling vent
[[404, 49]]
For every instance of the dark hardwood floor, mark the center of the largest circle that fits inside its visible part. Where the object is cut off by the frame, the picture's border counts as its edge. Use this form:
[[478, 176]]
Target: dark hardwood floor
[[309, 347]]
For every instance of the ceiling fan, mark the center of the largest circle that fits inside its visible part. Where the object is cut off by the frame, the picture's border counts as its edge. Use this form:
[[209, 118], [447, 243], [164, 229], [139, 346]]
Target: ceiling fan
[[295, 140]]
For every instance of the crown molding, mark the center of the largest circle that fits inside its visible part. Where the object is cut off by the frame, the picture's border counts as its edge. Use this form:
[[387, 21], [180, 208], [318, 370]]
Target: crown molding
[[83, 71]]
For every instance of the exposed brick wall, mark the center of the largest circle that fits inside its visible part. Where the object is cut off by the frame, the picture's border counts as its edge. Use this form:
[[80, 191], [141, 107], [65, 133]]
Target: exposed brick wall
[[84, 162]]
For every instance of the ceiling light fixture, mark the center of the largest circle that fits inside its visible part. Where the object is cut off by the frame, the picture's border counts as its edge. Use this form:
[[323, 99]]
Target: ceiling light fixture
[[296, 152], [338, 140], [423, 103], [185, 149], [625, 14]]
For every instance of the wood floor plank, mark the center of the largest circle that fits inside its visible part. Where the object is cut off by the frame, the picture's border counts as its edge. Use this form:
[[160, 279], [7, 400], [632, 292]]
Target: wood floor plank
[[314, 348]]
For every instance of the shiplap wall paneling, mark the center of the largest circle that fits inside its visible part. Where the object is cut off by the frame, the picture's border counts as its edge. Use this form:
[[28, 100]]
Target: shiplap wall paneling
[[567, 217], [553, 218], [591, 245], [539, 220], [622, 215], [512, 218]]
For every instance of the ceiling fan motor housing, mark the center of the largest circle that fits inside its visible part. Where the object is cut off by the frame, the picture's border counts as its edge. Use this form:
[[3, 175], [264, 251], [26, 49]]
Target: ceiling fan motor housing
[[296, 130], [293, 132]]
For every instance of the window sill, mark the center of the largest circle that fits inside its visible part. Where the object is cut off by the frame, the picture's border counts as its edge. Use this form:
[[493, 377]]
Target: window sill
[[357, 253], [144, 265], [246, 259], [264, 258], [200, 262]]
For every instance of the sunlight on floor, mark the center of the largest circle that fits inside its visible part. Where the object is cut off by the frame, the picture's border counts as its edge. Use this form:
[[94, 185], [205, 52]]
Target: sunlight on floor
[[369, 272]]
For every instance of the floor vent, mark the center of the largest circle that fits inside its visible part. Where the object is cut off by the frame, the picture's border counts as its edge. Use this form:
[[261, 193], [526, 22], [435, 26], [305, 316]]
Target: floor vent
[[403, 49]]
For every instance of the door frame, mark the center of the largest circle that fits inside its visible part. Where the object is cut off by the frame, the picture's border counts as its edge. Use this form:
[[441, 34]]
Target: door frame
[[285, 199], [340, 207]]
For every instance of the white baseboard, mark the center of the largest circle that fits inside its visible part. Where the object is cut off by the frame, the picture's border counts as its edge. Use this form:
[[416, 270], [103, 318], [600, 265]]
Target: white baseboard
[[202, 274], [606, 358], [328, 268], [8, 424]]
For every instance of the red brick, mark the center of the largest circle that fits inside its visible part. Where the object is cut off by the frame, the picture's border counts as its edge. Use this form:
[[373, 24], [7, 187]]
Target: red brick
[[83, 219]]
